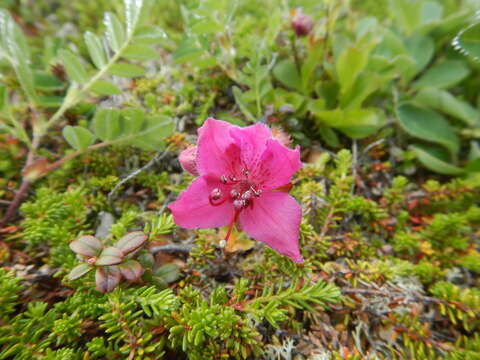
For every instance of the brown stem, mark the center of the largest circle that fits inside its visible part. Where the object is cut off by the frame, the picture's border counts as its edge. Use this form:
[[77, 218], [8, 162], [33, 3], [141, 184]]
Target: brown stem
[[16, 201]]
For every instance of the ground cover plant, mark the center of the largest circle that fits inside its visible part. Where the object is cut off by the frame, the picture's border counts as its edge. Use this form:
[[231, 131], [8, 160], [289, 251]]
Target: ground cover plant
[[204, 179]]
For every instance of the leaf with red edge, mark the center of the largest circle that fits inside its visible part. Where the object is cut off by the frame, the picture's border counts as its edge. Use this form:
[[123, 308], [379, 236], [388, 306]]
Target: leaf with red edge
[[107, 278], [78, 271], [109, 256], [131, 270], [131, 242], [86, 245]]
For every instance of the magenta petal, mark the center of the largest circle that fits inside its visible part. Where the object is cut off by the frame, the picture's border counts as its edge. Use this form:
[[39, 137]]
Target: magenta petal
[[274, 219], [252, 141], [277, 165], [215, 148], [193, 209], [188, 160]]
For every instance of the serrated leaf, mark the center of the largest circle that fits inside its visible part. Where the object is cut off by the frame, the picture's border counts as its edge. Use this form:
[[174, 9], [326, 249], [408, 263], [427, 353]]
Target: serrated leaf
[[78, 271], [140, 52], [126, 70], [74, 67], [107, 278], [468, 41], [109, 256], [131, 270], [428, 125], [443, 75], [106, 124], [78, 137], [131, 242], [149, 35], [96, 50], [133, 9], [434, 160], [102, 87], [86, 245], [114, 31]]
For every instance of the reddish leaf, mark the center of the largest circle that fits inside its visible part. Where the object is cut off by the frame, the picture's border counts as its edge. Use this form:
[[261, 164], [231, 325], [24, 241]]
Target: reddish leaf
[[131, 242], [86, 245], [131, 270], [107, 278], [109, 256], [78, 271]]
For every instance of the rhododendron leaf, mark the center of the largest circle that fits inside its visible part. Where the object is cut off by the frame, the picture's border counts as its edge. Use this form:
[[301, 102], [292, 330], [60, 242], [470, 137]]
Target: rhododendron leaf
[[131, 270], [78, 271], [107, 278], [86, 245], [131, 242], [110, 256]]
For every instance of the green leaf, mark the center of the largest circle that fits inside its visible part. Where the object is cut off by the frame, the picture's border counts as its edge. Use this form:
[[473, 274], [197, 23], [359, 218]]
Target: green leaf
[[4, 101], [86, 245], [468, 41], [133, 8], [149, 35], [155, 129], [133, 120], [427, 125], [47, 82], [107, 278], [188, 50], [206, 26], [445, 102], [106, 124], [131, 270], [114, 31], [126, 70], [102, 87], [140, 52], [78, 271], [131, 242], [96, 50], [443, 75], [355, 123], [168, 272], [421, 48], [50, 101], [434, 160], [351, 63], [238, 95], [78, 137], [109, 256], [74, 67], [286, 72]]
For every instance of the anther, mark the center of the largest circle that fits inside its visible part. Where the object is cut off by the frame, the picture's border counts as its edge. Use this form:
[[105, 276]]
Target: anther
[[245, 172], [216, 194], [232, 178], [234, 194], [223, 179], [247, 195], [239, 204]]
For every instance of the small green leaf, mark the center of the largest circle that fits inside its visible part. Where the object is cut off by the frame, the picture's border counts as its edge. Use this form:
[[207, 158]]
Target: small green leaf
[[78, 271], [96, 50], [78, 137], [428, 125], [188, 50], [149, 35], [4, 101], [206, 26], [421, 48], [109, 256], [133, 8], [86, 245], [238, 95], [436, 161], [131, 270], [126, 70], [168, 273], [468, 41], [47, 82], [443, 75], [155, 129], [131, 242], [102, 87], [106, 124], [133, 120], [140, 52], [74, 67], [286, 72], [350, 64], [114, 31], [107, 278]]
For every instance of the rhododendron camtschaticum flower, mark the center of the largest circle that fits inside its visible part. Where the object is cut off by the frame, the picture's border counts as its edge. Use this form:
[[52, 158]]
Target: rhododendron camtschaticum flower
[[241, 173]]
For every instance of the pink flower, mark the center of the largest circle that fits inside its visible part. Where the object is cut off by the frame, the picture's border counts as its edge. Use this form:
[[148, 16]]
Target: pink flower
[[302, 24], [188, 160], [240, 173]]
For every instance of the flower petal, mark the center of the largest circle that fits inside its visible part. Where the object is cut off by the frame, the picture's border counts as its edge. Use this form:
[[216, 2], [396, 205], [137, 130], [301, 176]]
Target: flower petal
[[188, 160], [252, 141], [216, 148], [193, 209], [277, 165], [274, 219]]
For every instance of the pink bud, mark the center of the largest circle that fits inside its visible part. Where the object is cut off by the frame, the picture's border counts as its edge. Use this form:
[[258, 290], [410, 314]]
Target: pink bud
[[302, 24], [188, 160]]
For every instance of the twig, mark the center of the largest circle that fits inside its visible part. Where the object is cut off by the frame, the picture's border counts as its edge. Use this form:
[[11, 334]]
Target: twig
[[171, 248], [21, 192]]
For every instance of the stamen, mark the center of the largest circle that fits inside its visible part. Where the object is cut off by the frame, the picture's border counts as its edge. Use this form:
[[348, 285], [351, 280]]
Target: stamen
[[223, 179], [246, 172], [239, 204], [247, 195], [233, 178], [234, 194], [216, 197]]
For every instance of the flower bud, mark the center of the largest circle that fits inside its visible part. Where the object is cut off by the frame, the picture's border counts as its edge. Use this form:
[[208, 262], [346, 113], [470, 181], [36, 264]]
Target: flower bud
[[302, 24], [188, 160]]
